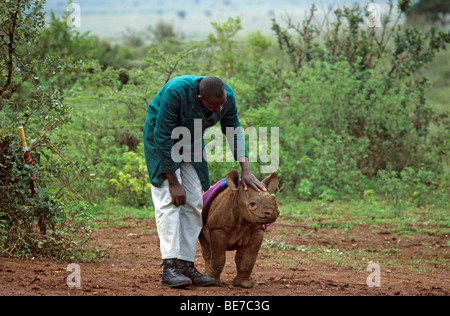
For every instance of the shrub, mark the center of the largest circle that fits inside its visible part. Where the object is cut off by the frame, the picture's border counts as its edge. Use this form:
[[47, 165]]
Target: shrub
[[129, 180], [355, 101], [34, 219]]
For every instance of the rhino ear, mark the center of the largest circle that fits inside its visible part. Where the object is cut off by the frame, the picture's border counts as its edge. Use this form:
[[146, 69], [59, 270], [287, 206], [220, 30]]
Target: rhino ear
[[271, 182], [233, 180]]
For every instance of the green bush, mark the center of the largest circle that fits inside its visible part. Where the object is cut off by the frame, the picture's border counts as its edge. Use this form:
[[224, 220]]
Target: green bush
[[354, 103], [408, 185], [34, 218], [129, 180], [349, 102]]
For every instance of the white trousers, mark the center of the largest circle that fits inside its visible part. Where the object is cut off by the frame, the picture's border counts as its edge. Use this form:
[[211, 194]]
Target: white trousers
[[179, 226]]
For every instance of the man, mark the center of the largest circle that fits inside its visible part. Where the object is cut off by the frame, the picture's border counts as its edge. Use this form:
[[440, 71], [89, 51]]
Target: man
[[177, 186]]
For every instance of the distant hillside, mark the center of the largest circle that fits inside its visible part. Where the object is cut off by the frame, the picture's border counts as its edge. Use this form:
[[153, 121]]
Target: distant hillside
[[192, 18]]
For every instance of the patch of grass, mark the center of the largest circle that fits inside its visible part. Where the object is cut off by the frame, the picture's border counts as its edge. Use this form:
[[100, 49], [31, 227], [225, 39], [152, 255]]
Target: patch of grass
[[118, 215], [344, 218], [357, 259], [280, 245], [378, 214]]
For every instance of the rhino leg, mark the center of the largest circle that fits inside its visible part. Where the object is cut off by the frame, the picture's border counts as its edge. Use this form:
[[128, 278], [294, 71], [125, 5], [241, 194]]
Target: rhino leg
[[206, 250], [218, 249], [245, 261]]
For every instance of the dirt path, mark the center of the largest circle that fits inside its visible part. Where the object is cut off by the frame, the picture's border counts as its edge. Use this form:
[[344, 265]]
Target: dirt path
[[133, 266]]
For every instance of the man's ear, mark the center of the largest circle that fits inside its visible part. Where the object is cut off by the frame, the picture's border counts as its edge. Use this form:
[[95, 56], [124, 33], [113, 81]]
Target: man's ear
[[233, 180], [271, 182]]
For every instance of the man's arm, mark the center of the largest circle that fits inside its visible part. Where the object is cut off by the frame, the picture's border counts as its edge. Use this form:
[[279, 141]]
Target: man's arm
[[239, 148], [166, 121]]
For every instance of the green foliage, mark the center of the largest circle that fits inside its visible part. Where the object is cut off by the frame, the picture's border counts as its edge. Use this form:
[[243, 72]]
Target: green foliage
[[225, 44], [301, 49], [168, 64], [342, 144], [409, 184], [163, 33], [129, 179], [34, 218], [435, 11], [357, 104], [68, 222], [352, 104]]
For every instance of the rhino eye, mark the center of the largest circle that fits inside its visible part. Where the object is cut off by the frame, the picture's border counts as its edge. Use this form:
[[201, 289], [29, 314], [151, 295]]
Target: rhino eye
[[252, 204]]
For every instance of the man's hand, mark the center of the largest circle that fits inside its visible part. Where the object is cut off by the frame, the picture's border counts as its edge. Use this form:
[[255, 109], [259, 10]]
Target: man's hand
[[176, 190], [248, 179]]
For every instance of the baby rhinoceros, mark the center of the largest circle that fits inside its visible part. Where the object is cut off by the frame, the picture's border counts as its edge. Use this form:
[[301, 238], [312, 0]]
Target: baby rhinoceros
[[236, 221]]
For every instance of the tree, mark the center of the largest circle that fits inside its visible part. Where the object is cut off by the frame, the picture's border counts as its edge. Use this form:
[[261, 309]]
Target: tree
[[20, 24], [225, 43], [361, 90], [26, 100], [435, 11], [162, 32]]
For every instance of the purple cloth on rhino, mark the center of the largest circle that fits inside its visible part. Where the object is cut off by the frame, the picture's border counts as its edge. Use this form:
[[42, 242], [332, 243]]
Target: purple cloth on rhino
[[211, 194]]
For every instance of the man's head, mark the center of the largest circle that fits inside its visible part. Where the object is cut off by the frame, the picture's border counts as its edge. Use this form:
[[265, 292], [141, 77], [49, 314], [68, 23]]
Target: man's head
[[212, 93]]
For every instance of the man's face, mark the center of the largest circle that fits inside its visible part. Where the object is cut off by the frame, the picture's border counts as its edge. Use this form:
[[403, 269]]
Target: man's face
[[213, 103]]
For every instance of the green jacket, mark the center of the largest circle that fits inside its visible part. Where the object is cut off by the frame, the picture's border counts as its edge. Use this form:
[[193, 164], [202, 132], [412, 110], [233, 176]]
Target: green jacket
[[177, 105]]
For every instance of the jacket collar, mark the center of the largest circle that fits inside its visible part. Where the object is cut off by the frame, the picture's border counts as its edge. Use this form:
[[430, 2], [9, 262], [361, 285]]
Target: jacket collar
[[197, 105]]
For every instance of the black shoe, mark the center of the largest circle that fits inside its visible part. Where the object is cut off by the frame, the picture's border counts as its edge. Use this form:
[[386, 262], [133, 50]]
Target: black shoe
[[188, 269], [172, 276]]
